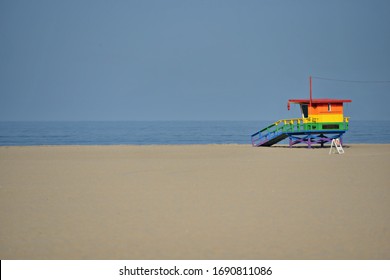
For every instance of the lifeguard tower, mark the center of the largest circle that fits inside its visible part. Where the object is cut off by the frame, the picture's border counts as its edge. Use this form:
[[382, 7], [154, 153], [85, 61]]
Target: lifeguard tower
[[321, 121]]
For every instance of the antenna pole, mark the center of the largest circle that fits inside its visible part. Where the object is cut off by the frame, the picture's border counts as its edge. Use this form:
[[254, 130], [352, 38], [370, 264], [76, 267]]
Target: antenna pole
[[311, 91]]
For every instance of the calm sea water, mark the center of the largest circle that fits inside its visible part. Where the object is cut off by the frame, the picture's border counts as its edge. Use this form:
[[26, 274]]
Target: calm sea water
[[161, 132]]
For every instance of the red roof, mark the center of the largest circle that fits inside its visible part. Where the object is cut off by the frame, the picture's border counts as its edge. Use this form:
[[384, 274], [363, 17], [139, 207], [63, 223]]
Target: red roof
[[319, 101]]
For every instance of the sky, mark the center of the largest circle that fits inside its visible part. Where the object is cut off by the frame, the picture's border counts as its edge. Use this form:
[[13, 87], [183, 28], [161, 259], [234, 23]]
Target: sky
[[93, 60]]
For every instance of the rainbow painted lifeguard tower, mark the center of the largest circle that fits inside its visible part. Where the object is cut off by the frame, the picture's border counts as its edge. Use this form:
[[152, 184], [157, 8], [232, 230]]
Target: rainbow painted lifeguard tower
[[322, 120]]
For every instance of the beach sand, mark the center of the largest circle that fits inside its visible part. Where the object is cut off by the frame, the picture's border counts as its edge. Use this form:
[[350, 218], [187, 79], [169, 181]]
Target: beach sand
[[194, 202]]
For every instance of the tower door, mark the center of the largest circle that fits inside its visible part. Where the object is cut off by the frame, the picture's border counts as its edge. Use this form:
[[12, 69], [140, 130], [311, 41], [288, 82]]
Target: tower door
[[304, 110]]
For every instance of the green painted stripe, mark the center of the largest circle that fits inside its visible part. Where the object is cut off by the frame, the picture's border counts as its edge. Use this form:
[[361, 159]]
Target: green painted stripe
[[336, 126]]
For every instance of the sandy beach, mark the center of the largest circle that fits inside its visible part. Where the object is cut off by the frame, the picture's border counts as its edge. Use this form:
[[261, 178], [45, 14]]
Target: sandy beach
[[194, 202]]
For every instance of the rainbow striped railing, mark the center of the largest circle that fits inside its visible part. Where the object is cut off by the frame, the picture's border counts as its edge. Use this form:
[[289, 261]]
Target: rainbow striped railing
[[282, 129]]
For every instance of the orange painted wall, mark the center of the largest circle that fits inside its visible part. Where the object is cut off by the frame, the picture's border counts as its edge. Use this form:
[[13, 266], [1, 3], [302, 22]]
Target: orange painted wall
[[322, 109]]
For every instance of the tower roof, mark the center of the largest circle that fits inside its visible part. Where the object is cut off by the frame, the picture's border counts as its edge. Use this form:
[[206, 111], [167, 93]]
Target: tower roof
[[319, 101]]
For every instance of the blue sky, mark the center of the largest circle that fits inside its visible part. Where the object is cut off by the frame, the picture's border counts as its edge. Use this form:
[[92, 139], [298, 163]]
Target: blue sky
[[190, 60]]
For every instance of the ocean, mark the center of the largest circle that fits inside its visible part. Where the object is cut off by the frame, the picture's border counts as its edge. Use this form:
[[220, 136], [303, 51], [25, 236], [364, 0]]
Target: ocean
[[161, 132]]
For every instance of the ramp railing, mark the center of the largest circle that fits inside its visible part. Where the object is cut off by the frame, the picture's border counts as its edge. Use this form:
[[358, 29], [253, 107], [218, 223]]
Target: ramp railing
[[276, 129]]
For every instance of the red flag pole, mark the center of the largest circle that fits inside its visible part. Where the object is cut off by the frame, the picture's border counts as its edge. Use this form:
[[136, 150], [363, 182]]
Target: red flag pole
[[311, 91]]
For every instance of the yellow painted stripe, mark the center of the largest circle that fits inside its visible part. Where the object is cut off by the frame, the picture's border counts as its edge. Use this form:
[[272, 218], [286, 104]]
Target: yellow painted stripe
[[325, 118]]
